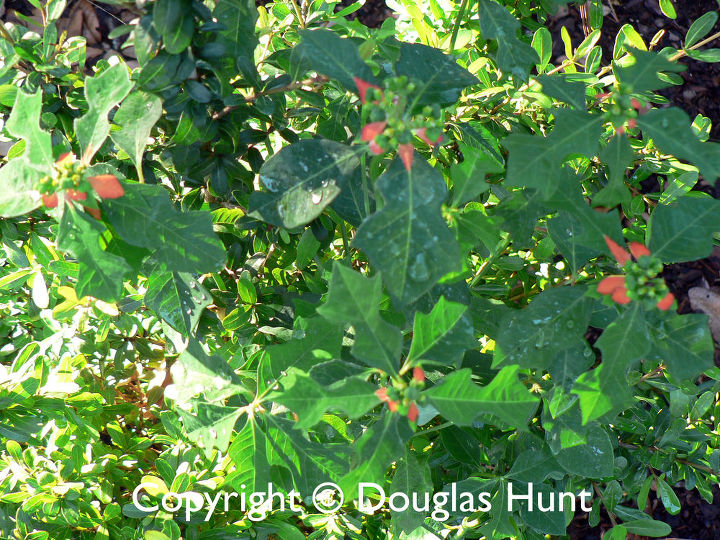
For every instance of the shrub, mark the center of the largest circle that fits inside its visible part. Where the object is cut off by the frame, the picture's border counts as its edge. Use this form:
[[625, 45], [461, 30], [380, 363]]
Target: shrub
[[287, 249]]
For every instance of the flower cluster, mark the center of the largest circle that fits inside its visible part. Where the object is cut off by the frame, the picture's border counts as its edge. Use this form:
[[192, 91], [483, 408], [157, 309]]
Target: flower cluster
[[70, 179], [390, 122], [404, 402], [639, 281]]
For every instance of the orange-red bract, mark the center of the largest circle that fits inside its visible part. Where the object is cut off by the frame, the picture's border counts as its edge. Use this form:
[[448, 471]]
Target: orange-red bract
[[667, 302], [620, 296], [638, 250], [372, 130], [418, 374], [610, 283], [413, 412], [51, 201], [406, 154], [362, 87], [621, 256], [107, 186]]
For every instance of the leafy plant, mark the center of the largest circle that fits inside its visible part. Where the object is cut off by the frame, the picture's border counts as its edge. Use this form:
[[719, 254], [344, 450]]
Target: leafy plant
[[287, 252]]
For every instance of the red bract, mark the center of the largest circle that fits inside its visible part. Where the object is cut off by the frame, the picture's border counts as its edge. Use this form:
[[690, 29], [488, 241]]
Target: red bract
[[107, 186], [372, 130], [418, 374], [51, 201], [638, 250], [393, 405], [422, 135], [406, 154], [667, 302], [610, 284], [621, 256], [382, 394], [362, 87], [413, 413]]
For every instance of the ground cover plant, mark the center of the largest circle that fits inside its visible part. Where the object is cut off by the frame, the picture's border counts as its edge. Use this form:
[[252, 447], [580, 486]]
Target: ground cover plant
[[287, 249]]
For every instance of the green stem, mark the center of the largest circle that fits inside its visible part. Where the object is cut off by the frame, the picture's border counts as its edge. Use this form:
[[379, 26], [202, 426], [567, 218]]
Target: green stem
[[456, 25], [301, 20]]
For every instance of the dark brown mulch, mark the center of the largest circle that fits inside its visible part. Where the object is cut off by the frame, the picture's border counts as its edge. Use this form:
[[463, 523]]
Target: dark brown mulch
[[699, 94], [372, 14]]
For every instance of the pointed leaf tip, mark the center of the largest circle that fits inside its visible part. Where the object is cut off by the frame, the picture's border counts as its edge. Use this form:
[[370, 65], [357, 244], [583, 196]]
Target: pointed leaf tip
[[621, 256]]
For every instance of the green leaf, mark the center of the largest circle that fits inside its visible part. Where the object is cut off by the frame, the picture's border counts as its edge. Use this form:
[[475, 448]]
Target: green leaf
[[668, 9], [248, 452], [24, 123], [700, 28], [304, 396], [535, 161], [563, 89], [177, 298], [438, 76], [210, 426], [514, 56], [101, 273], [570, 363], [603, 392], [618, 532], [20, 176], [468, 177], [683, 343], [594, 459], [554, 321], [102, 92], [671, 131], [648, 527], [542, 43], [626, 340], [618, 155], [668, 497], [332, 56], [408, 240], [317, 341], [305, 177], [460, 400], [355, 299], [173, 19], [638, 71], [683, 230], [238, 18], [375, 450], [443, 335], [137, 115], [195, 373], [181, 241], [411, 476], [534, 465]]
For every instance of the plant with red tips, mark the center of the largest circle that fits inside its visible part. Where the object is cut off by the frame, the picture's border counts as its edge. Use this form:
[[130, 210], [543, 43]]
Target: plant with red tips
[[639, 281], [403, 399], [389, 122], [69, 179]]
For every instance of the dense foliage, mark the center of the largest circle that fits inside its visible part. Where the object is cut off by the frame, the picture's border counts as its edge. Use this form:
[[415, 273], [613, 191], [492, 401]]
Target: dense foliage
[[290, 249]]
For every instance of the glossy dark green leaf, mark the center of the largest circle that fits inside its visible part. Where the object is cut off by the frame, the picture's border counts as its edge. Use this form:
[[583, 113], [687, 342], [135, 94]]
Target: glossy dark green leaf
[[683, 343], [469, 176], [438, 77], [638, 71], [443, 335], [178, 298], [683, 230], [461, 401], [355, 299], [173, 20], [408, 239], [671, 132], [305, 177], [101, 273], [330, 55], [594, 459], [514, 56], [563, 89], [181, 241], [554, 321]]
